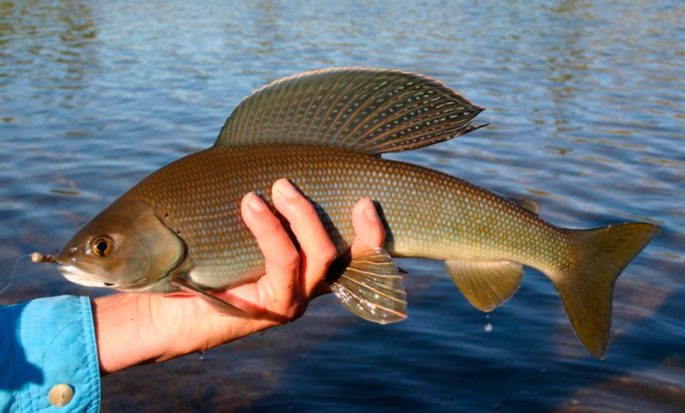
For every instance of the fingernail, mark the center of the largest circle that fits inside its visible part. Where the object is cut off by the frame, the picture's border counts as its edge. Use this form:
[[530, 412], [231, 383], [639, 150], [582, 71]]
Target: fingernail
[[255, 202], [370, 210], [285, 188]]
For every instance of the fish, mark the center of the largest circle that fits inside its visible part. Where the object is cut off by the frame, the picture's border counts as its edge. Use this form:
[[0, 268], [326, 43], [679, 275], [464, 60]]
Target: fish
[[180, 229]]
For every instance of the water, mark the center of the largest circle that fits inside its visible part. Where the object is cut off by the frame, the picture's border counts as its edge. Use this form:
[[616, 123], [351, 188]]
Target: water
[[586, 110]]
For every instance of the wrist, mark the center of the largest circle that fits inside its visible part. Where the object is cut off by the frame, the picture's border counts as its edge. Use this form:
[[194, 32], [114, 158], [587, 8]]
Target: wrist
[[122, 339]]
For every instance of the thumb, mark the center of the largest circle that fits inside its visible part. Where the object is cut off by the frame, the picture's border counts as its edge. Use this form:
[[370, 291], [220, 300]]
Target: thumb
[[368, 227]]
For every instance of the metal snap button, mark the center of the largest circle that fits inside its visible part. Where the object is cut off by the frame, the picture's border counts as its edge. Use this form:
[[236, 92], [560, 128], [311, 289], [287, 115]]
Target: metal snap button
[[60, 395]]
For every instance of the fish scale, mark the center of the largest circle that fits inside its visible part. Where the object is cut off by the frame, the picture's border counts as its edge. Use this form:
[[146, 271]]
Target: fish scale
[[428, 214], [325, 130]]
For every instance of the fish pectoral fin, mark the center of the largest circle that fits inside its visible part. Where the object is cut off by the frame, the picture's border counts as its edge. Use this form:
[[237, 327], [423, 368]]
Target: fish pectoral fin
[[370, 286], [219, 304], [486, 284]]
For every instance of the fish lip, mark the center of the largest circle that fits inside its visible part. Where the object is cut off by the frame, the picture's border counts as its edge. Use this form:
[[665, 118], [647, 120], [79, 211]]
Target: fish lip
[[80, 276], [84, 277], [65, 255]]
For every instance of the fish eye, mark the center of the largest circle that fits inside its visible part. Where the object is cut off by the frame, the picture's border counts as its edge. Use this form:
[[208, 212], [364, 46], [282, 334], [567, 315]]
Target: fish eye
[[101, 246]]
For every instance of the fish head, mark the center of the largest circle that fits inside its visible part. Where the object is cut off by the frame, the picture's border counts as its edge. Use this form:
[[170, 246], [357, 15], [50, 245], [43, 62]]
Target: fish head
[[126, 247]]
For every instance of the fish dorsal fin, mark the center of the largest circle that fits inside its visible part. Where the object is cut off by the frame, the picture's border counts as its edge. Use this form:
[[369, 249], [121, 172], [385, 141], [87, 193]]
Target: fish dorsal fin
[[369, 110], [528, 204], [486, 284]]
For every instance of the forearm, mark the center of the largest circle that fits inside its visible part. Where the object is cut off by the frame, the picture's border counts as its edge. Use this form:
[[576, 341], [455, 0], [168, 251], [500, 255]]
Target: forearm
[[138, 328]]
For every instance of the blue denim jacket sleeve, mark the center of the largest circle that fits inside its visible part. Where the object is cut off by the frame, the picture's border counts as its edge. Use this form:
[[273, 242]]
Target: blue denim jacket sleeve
[[45, 343]]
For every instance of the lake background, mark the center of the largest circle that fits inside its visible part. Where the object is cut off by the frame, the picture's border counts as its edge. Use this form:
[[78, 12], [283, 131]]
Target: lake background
[[586, 105]]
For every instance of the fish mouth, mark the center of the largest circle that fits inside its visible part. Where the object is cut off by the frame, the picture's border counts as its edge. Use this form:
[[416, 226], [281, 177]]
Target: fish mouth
[[79, 276]]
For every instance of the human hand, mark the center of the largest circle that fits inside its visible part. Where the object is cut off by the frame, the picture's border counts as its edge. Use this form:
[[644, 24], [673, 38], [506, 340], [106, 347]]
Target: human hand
[[134, 328]]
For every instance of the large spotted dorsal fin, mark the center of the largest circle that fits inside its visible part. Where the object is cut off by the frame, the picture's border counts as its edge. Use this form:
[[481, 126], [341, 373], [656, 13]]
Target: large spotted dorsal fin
[[369, 110]]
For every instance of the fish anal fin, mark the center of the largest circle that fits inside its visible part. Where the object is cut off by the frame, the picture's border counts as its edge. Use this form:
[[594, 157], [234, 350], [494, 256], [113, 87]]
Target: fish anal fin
[[370, 286], [219, 304], [486, 285], [369, 110]]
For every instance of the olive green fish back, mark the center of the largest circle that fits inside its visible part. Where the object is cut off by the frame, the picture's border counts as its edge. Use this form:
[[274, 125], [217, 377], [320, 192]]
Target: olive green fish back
[[369, 110]]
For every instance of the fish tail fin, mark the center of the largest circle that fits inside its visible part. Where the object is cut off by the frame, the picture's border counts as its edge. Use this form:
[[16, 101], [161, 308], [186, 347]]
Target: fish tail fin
[[586, 283]]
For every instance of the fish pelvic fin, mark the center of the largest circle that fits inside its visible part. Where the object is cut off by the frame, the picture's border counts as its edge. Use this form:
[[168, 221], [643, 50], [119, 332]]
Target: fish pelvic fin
[[486, 285], [586, 285], [370, 110], [370, 286]]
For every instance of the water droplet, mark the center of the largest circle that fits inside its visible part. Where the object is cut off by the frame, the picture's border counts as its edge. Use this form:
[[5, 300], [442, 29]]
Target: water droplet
[[488, 327]]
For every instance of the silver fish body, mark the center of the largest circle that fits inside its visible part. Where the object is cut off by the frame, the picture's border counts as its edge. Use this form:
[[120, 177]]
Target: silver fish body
[[428, 214]]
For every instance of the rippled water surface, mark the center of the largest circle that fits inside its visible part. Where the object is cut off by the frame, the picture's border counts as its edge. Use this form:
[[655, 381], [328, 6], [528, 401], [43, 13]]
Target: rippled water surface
[[586, 105]]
